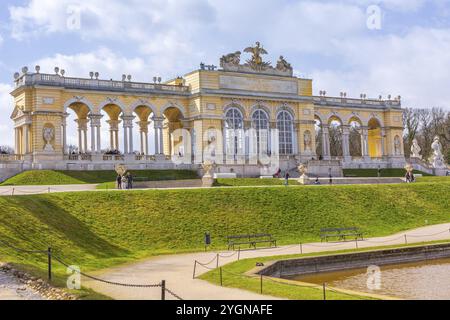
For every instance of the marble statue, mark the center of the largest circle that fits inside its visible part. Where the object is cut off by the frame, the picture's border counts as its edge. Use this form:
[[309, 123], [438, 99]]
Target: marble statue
[[256, 62], [397, 146], [303, 169], [308, 141], [208, 179], [415, 150], [283, 65], [231, 59], [48, 135], [437, 160]]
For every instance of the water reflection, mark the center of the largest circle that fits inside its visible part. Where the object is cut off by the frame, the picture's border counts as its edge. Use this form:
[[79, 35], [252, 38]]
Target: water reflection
[[427, 280]]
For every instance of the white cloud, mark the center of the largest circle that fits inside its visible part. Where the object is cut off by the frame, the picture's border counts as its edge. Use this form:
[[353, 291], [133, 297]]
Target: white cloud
[[6, 109], [327, 39], [102, 60], [415, 66]]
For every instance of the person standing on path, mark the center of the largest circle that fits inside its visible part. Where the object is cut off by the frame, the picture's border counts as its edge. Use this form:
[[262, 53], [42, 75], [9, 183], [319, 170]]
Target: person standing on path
[[286, 179], [119, 182], [129, 181]]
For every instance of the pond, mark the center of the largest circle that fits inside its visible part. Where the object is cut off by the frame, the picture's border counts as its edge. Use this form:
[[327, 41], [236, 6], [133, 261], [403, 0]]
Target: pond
[[426, 280]]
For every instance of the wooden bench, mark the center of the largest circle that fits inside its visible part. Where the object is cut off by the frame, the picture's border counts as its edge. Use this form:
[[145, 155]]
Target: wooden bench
[[340, 233], [251, 240]]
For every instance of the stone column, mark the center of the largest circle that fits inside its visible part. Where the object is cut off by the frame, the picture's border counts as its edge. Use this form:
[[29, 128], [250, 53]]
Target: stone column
[[16, 133], [365, 143], [128, 134], [95, 132], [85, 140], [161, 140], [64, 133], [82, 135], [93, 146], [114, 134], [99, 139], [346, 143], [156, 138], [125, 138], [143, 130], [131, 138], [326, 142], [80, 140], [25, 135], [383, 142]]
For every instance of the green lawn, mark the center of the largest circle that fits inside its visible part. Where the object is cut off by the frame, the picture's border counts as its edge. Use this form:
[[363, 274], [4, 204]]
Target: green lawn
[[248, 182], [54, 177], [100, 229], [371, 173], [236, 275]]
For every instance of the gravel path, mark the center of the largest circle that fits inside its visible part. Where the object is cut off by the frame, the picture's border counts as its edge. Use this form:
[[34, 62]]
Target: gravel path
[[177, 270]]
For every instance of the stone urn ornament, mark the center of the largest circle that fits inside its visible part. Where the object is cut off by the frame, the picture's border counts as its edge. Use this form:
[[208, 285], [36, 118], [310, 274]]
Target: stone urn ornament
[[208, 179], [48, 135], [303, 169]]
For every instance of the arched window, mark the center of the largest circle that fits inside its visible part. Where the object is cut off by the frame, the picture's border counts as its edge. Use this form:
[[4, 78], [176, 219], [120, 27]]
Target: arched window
[[260, 123], [285, 126], [234, 132]]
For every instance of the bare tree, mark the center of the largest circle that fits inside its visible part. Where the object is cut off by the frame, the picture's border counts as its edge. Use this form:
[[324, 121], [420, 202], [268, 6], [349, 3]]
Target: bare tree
[[411, 122]]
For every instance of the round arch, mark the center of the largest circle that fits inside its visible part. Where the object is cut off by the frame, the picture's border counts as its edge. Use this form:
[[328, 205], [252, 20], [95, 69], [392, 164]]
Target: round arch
[[374, 138], [80, 100], [263, 107], [234, 105], [172, 105], [146, 104]]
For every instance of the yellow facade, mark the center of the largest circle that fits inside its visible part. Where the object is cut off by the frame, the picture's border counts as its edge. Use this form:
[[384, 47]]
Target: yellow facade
[[199, 102]]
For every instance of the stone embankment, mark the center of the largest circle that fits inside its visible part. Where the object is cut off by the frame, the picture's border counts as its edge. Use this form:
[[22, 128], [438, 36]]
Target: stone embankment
[[18, 285]]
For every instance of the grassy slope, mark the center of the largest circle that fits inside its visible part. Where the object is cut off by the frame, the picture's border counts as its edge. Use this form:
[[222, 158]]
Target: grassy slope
[[374, 173], [50, 177], [252, 182], [117, 227]]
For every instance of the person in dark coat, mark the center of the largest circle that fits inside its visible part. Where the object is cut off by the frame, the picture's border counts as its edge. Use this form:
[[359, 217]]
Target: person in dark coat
[[119, 182], [129, 181], [286, 179]]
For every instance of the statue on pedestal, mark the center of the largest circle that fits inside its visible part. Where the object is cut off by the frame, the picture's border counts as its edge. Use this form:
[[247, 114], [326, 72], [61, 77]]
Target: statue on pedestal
[[48, 135], [437, 160], [303, 169], [415, 150], [208, 179]]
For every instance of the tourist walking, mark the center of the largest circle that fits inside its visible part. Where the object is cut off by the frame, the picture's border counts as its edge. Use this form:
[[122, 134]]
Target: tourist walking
[[119, 182], [286, 179], [124, 182], [129, 181]]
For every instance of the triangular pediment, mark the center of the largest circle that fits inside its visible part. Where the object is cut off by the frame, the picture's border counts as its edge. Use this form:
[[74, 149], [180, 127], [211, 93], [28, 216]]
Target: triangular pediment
[[17, 113]]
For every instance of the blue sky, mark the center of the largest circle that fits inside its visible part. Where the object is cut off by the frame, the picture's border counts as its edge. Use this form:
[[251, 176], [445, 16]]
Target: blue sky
[[328, 41]]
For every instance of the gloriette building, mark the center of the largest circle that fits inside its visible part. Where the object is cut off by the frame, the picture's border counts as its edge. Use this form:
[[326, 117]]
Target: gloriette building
[[239, 115]]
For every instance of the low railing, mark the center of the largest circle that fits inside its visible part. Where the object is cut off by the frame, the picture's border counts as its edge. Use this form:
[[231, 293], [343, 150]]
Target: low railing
[[11, 157], [108, 157], [79, 157], [60, 81], [362, 102]]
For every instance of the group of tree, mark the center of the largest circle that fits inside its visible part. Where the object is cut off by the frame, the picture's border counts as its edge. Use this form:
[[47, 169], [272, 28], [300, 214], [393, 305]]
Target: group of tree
[[424, 125]]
